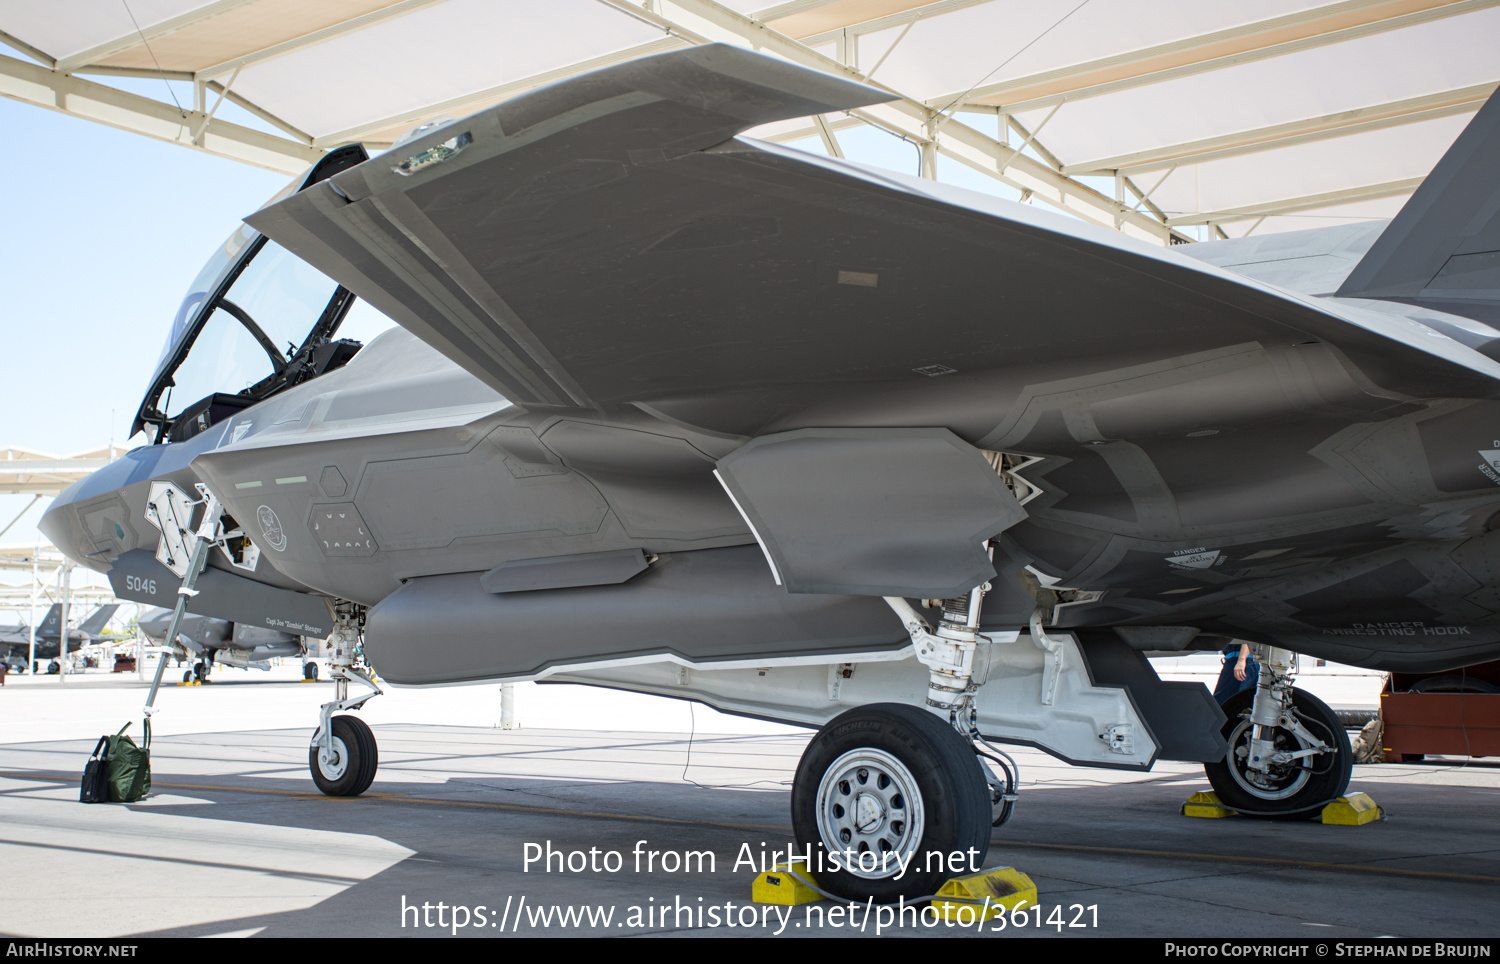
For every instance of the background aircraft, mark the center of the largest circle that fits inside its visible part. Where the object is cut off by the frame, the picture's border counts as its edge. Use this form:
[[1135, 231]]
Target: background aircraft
[[15, 642], [205, 640]]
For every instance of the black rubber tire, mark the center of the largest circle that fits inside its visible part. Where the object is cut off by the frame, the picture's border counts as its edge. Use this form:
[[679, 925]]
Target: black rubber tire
[[310, 671], [364, 758], [954, 796], [1326, 781], [187, 677]]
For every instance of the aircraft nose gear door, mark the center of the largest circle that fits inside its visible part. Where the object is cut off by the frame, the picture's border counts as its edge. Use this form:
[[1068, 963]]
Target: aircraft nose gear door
[[343, 756]]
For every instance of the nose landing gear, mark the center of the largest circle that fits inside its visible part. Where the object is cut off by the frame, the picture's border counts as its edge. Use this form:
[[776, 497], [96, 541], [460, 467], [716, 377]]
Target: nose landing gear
[[347, 768], [343, 756], [1288, 754]]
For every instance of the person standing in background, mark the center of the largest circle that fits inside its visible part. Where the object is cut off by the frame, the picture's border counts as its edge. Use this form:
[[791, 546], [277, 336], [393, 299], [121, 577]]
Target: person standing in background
[[1239, 673]]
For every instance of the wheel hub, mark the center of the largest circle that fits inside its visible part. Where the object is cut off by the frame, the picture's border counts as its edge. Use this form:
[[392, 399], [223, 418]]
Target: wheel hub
[[1281, 780], [870, 812], [333, 764]]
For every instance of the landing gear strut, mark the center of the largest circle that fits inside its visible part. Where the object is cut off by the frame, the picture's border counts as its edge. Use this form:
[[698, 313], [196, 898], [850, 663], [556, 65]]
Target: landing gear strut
[[1288, 753], [887, 794], [343, 756]]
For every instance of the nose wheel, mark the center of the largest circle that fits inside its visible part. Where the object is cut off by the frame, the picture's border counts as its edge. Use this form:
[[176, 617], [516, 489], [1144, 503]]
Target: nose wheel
[[343, 757], [347, 767], [1310, 759]]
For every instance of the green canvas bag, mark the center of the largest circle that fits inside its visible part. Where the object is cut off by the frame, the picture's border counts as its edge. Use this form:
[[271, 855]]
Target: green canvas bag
[[129, 766]]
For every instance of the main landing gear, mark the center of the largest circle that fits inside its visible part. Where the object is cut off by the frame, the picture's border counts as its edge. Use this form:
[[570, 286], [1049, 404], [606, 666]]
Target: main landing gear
[[1288, 755], [343, 756], [879, 789], [891, 800]]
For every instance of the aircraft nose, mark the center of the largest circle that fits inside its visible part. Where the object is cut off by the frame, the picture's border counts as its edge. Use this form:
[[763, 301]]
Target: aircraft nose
[[94, 521], [63, 528]]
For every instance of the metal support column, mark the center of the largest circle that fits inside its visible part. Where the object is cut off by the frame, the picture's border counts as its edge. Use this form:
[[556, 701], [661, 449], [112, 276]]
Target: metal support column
[[64, 580]]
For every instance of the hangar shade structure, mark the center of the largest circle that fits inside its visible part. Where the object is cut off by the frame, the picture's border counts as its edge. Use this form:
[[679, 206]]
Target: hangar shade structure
[[1150, 116]]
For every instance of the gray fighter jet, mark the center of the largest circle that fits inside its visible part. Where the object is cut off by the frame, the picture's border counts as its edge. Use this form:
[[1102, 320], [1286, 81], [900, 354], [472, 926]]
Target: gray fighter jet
[[204, 640], [681, 412], [17, 643]]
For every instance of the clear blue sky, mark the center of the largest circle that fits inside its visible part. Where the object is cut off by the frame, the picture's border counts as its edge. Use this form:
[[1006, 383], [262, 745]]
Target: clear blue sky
[[101, 234]]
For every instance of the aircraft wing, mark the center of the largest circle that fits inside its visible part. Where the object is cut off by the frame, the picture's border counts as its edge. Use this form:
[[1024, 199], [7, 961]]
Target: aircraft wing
[[607, 240]]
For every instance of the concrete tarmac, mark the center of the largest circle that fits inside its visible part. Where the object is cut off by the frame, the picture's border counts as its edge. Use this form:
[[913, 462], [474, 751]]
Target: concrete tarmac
[[236, 841]]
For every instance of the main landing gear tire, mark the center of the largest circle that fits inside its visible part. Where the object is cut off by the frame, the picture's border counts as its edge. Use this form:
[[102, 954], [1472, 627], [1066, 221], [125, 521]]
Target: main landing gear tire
[[310, 671], [894, 780], [1291, 791], [356, 758], [187, 677]]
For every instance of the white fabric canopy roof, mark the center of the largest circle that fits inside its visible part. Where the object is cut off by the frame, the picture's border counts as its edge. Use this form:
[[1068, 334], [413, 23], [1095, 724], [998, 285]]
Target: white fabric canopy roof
[[1237, 114]]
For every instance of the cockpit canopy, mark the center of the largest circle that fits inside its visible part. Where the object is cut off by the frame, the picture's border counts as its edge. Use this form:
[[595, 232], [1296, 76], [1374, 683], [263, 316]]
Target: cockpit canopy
[[255, 320]]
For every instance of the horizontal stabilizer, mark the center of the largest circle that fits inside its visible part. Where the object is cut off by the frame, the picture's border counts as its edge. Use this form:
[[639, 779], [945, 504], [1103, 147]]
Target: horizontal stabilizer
[[1443, 250], [94, 625]]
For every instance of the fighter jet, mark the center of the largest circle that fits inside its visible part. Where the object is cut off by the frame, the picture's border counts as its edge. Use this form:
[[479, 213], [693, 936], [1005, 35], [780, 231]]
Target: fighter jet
[[204, 640], [17, 643], [677, 411]]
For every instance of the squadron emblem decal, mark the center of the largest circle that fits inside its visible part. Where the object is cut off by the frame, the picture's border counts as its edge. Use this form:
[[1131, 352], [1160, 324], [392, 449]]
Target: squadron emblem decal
[[270, 527]]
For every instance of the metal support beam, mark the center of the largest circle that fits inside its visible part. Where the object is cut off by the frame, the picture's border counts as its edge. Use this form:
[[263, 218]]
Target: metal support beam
[[64, 581], [913, 12], [8, 525], [55, 90], [493, 95], [1308, 202], [17, 43], [830, 143], [318, 36], [260, 112], [148, 33], [1304, 30], [705, 20], [1342, 124]]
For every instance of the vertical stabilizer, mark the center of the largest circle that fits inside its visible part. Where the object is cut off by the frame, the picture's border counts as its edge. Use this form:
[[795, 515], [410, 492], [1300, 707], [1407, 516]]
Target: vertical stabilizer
[[51, 625], [1443, 250], [94, 625]]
